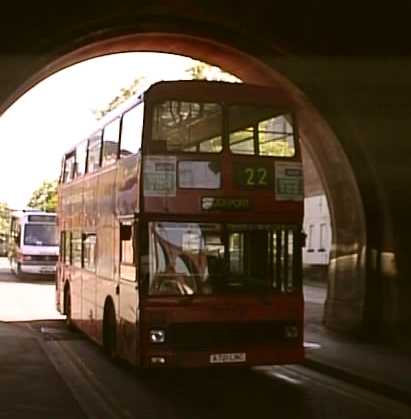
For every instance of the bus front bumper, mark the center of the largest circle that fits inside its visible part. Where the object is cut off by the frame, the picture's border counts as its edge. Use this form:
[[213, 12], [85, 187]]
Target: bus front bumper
[[226, 357], [38, 269]]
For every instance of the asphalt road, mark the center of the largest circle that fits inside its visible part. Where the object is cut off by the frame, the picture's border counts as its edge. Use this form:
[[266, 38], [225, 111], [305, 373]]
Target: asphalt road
[[47, 371], [28, 299]]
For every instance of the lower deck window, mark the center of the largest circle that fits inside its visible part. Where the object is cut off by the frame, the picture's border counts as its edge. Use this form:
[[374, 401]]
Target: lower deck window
[[127, 238], [89, 252], [67, 248], [76, 249]]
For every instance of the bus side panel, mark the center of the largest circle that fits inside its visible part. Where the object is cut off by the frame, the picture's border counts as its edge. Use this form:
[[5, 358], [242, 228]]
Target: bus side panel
[[127, 204], [60, 267], [127, 185], [128, 321], [89, 207], [89, 302], [106, 282], [75, 279], [59, 288]]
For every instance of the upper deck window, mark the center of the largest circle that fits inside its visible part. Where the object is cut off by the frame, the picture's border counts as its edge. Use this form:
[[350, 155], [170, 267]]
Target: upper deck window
[[81, 156], [187, 127], [69, 168], [132, 131], [260, 131], [94, 151], [110, 142]]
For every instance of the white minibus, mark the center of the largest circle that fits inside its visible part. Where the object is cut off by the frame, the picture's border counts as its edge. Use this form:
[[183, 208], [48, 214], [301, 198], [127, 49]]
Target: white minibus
[[33, 243]]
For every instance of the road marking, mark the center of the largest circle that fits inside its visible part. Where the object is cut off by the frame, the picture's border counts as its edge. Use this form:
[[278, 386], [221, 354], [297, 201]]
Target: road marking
[[91, 395], [312, 345], [298, 375], [287, 378]]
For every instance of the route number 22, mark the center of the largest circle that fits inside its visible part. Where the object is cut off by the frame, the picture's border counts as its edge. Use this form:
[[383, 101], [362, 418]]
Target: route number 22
[[256, 176]]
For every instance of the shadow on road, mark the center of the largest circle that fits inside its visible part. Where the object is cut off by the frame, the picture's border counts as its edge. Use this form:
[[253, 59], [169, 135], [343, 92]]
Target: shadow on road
[[227, 393], [32, 279]]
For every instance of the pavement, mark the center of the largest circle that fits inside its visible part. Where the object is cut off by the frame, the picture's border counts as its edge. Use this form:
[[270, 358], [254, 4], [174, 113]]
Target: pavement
[[30, 385], [380, 367]]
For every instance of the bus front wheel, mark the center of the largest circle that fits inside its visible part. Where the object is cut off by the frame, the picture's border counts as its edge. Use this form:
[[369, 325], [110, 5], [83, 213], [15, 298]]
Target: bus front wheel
[[109, 331], [67, 309]]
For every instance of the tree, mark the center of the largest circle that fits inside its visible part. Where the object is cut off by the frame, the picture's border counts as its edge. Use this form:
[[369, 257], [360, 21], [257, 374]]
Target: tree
[[125, 94], [198, 71], [45, 197], [204, 71], [4, 218]]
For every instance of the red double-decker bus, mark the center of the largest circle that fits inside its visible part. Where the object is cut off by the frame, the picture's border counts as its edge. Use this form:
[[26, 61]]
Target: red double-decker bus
[[180, 220]]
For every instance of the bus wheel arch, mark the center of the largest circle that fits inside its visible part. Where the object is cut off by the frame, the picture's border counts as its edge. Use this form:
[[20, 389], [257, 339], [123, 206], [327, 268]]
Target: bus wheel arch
[[110, 329]]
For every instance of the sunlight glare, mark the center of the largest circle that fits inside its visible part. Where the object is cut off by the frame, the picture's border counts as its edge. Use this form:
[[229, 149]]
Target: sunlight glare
[[58, 112]]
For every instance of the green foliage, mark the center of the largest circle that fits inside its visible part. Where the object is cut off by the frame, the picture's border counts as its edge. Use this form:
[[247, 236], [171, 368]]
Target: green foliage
[[204, 71], [45, 197], [4, 218], [125, 94], [199, 71]]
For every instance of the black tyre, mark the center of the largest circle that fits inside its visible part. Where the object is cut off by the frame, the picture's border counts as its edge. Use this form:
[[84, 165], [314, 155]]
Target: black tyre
[[67, 309], [18, 271], [110, 331]]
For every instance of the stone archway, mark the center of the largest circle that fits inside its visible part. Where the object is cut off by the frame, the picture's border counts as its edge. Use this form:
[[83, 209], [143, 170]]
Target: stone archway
[[347, 297]]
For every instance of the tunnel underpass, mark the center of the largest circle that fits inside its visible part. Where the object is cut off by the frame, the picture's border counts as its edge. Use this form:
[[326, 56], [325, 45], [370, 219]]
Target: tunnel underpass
[[338, 105]]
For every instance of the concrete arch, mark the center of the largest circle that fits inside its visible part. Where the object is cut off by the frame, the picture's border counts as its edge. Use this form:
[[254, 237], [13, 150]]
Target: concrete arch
[[349, 181]]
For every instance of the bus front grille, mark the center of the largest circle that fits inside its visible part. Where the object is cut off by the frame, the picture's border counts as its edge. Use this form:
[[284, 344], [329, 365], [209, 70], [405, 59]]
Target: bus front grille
[[44, 258], [196, 335]]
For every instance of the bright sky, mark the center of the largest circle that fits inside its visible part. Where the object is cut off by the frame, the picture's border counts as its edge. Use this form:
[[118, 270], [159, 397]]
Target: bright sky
[[56, 114]]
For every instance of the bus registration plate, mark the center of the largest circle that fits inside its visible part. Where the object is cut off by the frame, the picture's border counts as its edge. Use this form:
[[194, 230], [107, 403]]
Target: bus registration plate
[[47, 270], [226, 358]]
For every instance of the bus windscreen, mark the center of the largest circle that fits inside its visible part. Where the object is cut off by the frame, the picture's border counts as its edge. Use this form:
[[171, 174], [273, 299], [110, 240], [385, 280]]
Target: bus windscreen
[[40, 235], [214, 258]]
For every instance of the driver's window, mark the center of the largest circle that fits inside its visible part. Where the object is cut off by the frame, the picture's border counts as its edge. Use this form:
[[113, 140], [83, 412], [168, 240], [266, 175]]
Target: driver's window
[[127, 250]]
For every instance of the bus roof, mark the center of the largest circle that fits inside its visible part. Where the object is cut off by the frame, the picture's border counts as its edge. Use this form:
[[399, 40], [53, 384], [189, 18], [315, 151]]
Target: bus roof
[[28, 212], [216, 91]]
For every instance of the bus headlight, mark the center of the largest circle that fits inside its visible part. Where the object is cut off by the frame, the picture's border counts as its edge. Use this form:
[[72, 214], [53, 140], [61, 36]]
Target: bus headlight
[[26, 257], [157, 336]]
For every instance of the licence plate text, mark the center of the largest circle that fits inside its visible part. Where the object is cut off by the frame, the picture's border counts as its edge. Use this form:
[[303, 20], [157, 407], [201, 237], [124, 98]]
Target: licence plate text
[[227, 358]]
